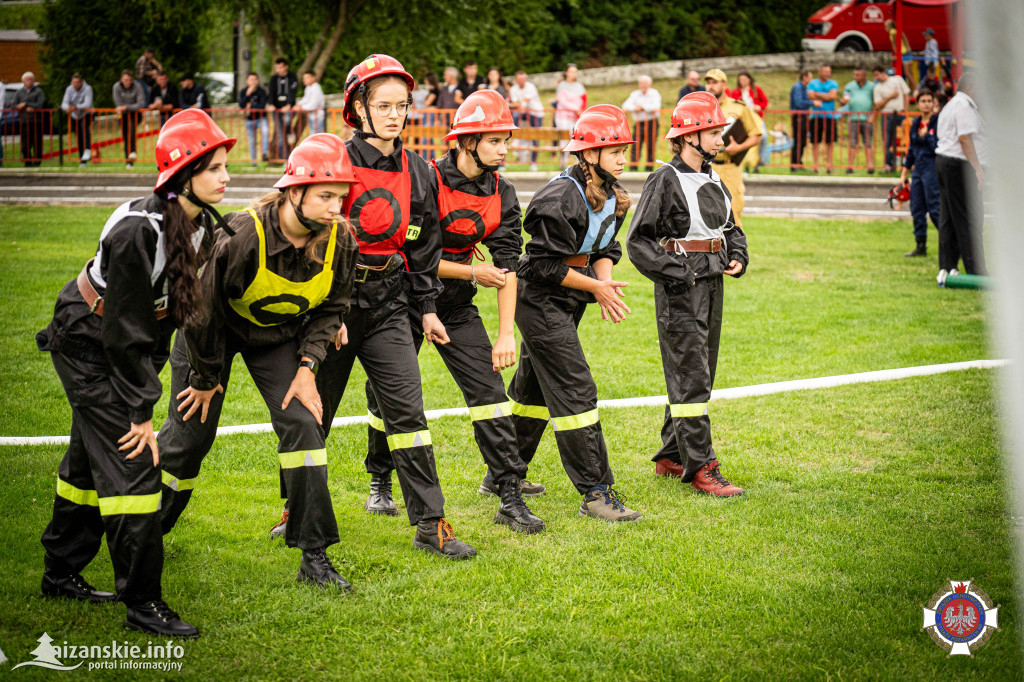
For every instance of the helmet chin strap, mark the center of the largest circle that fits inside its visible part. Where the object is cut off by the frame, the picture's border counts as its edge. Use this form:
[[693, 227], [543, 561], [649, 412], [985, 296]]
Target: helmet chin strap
[[314, 226], [188, 193], [362, 134], [486, 168], [708, 158], [606, 177]]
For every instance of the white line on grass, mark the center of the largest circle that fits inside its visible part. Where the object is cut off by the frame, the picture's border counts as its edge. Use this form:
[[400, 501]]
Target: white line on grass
[[649, 401]]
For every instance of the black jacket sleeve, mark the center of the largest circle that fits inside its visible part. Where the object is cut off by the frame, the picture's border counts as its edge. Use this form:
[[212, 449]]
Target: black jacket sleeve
[[506, 242], [661, 213], [130, 332], [423, 253], [325, 320]]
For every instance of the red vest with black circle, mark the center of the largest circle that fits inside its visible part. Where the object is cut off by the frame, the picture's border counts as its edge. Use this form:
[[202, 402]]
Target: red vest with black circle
[[465, 218], [377, 206]]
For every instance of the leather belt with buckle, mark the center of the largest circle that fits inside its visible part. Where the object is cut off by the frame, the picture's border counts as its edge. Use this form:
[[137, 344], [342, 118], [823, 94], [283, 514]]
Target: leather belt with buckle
[[692, 245], [95, 301], [580, 260], [369, 273]]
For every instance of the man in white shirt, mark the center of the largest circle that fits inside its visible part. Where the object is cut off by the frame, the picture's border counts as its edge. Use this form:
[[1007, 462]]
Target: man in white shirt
[[890, 95], [77, 103], [527, 111], [313, 103], [644, 102], [960, 158]]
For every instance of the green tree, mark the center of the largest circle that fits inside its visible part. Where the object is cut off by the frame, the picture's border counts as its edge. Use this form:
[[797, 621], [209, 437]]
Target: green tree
[[99, 39]]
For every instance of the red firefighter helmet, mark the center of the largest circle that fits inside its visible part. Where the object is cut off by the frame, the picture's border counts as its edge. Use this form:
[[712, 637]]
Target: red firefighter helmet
[[185, 137], [899, 194], [696, 111], [373, 66], [318, 158], [485, 111], [602, 125]]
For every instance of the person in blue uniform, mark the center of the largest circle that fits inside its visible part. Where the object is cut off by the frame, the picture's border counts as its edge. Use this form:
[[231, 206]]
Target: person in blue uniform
[[924, 184]]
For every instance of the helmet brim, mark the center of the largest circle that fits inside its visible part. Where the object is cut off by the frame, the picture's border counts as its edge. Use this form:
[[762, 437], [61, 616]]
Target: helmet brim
[[165, 176], [471, 131]]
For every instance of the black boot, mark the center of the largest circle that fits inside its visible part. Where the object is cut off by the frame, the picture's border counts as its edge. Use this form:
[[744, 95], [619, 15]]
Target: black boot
[[156, 617], [921, 250], [317, 569], [437, 536], [380, 500], [513, 512], [73, 587], [489, 487]]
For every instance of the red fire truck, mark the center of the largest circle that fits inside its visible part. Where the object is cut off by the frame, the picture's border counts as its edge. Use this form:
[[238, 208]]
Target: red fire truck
[[859, 25]]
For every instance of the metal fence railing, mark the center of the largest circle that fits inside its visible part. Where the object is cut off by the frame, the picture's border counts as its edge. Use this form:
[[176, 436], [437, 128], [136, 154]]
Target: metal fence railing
[[50, 136]]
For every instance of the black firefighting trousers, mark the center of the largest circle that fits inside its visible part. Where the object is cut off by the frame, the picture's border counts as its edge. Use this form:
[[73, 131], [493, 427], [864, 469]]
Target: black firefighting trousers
[[379, 337], [553, 382], [689, 331], [301, 451], [99, 491], [468, 358]]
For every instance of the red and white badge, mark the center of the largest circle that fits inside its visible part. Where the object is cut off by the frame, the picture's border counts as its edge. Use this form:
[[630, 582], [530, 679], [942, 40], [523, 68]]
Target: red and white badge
[[960, 618]]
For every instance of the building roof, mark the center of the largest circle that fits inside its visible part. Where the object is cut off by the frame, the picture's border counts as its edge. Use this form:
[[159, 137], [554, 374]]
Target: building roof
[[28, 36]]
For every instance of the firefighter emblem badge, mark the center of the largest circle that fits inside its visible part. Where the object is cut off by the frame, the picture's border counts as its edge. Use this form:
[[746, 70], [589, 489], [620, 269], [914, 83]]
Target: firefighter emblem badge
[[960, 618]]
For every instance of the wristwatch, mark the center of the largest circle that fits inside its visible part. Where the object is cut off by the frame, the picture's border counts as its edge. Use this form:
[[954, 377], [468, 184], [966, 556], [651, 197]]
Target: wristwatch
[[311, 365]]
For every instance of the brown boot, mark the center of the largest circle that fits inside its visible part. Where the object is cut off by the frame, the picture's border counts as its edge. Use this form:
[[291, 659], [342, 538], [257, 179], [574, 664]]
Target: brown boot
[[710, 481], [666, 467], [603, 502]]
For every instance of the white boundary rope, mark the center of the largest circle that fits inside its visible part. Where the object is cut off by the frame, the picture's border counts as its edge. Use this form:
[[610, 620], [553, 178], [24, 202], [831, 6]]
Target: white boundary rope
[[649, 401]]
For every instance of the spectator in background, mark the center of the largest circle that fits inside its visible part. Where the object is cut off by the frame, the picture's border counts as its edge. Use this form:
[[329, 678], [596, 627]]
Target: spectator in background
[[494, 82], [470, 83], [692, 84], [193, 95], [960, 157], [931, 81], [799, 104], [644, 103], [858, 96], [924, 187], [432, 89], [77, 103], [751, 94], [570, 101], [28, 100], [253, 100], [908, 64], [891, 98], [313, 103], [742, 134], [146, 70], [446, 97], [163, 98], [823, 92], [129, 100], [527, 111], [284, 87], [931, 52]]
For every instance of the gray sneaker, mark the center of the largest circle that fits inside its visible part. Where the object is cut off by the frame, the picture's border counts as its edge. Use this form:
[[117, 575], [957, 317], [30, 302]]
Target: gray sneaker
[[278, 531], [603, 502], [528, 489]]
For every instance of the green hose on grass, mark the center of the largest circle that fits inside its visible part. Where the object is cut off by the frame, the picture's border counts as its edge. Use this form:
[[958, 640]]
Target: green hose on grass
[[960, 281]]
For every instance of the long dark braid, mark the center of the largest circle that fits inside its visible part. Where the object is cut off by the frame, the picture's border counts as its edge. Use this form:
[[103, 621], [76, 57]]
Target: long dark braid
[[597, 192]]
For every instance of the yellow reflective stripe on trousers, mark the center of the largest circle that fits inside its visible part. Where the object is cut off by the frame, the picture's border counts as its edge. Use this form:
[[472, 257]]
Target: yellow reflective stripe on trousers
[[177, 484], [575, 421], [303, 458], [76, 495], [688, 410], [130, 504], [398, 441], [481, 412], [531, 411], [375, 422]]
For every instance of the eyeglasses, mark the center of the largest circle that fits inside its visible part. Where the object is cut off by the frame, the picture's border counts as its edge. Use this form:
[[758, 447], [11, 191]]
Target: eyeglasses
[[385, 109]]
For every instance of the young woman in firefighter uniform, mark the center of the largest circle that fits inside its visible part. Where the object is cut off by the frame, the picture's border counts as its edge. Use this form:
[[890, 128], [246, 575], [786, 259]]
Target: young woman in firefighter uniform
[[277, 287], [109, 338], [475, 206], [572, 222], [682, 237], [393, 210]]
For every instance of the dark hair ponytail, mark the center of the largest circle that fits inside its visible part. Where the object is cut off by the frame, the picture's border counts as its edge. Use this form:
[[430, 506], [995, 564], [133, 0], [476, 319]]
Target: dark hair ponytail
[[182, 270]]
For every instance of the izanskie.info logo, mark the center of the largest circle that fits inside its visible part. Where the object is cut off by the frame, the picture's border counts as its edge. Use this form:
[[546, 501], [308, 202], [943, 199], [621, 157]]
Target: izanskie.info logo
[[114, 656]]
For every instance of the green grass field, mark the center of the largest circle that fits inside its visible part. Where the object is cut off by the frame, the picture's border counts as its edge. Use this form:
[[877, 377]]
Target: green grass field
[[862, 500]]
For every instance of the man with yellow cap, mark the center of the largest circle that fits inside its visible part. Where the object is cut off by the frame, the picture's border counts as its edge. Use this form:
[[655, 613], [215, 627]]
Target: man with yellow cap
[[741, 133]]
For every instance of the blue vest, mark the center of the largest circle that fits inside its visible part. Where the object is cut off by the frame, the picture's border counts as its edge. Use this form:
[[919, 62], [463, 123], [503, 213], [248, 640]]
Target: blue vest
[[601, 228]]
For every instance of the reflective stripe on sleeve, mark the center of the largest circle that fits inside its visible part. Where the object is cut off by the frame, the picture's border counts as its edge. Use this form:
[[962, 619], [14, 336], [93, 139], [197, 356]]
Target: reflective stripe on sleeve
[[398, 441], [481, 412], [575, 421], [177, 484], [375, 422], [77, 495], [130, 504], [688, 410], [531, 411], [303, 458]]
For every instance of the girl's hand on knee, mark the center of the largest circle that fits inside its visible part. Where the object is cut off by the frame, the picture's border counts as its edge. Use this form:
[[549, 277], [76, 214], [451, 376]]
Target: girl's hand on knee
[[304, 388], [193, 399], [137, 439]]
